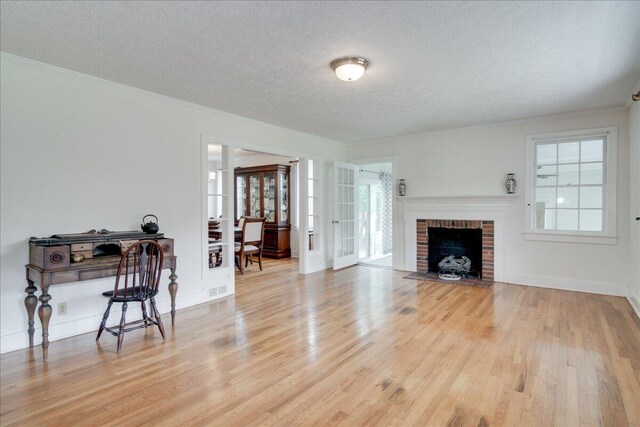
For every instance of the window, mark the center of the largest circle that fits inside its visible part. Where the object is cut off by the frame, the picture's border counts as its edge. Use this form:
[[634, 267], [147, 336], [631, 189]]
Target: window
[[571, 188]]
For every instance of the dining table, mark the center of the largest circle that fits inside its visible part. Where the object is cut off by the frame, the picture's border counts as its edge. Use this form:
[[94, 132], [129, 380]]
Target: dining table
[[215, 244]]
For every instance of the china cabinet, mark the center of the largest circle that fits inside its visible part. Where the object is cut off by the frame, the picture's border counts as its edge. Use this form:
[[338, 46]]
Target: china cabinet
[[263, 191]]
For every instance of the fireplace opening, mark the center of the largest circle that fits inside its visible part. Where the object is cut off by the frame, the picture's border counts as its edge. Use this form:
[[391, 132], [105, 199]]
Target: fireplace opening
[[456, 242]]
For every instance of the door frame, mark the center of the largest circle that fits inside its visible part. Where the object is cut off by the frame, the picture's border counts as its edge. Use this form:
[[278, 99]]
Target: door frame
[[397, 241], [302, 156], [224, 274]]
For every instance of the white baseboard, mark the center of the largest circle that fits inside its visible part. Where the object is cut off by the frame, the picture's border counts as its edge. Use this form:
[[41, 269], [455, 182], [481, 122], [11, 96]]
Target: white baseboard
[[603, 288], [635, 303], [19, 340]]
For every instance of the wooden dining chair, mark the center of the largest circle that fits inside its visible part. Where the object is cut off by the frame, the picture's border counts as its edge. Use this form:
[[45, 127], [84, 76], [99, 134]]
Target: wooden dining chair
[[215, 251], [137, 280], [252, 242]]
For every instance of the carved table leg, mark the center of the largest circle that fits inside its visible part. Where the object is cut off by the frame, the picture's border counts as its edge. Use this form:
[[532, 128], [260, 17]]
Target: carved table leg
[[30, 303], [44, 312], [173, 290]]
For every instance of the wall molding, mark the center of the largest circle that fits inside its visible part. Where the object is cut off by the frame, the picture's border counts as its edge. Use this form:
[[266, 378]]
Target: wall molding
[[505, 123], [406, 200], [132, 89], [564, 284], [635, 304], [20, 340]]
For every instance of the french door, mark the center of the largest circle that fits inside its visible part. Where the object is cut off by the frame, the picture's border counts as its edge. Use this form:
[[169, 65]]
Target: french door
[[345, 222]]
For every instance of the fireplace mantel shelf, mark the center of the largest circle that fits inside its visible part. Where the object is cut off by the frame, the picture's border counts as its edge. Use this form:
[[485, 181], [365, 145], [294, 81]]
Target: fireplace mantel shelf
[[456, 199]]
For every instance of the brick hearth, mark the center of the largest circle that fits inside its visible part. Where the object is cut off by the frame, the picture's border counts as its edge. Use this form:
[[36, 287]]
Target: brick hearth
[[422, 239]]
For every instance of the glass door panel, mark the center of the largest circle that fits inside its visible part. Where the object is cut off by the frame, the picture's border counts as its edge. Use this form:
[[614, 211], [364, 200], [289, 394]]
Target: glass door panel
[[283, 183], [254, 195], [269, 198], [365, 212], [241, 196], [345, 223], [218, 203]]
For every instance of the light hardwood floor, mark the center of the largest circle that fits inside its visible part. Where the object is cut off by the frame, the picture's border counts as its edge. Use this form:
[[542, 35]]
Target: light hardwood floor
[[359, 346]]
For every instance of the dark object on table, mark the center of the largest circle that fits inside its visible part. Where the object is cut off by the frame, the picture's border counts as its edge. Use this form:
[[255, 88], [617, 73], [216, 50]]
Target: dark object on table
[[137, 280], [150, 227]]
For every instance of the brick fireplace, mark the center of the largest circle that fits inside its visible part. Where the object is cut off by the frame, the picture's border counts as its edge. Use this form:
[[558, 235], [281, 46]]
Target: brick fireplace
[[488, 242]]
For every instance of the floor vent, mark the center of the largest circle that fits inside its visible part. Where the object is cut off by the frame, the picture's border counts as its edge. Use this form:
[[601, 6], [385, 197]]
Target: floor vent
[[218, 291]]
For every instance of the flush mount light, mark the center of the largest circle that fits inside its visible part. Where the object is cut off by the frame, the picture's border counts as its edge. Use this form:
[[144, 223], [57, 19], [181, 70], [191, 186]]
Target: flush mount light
[[349, 68]]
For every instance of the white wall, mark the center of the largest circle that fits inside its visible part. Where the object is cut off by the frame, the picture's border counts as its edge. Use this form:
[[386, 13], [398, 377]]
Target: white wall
[[72, 147], [634, 163], [474, 161]]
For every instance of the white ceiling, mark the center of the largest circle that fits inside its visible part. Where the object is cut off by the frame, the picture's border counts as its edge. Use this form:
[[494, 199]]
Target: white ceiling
[[434, 65]]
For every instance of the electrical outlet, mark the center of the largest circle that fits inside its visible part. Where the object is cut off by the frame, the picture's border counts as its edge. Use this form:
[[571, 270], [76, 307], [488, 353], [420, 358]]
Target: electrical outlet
[[62, 308]]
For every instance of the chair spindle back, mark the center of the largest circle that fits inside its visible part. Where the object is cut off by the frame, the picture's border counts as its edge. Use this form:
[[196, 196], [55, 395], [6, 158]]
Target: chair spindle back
[[139, 270]]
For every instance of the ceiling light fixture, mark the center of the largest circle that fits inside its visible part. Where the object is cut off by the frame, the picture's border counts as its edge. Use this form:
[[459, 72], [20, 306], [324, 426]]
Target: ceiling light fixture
[[349, 68]]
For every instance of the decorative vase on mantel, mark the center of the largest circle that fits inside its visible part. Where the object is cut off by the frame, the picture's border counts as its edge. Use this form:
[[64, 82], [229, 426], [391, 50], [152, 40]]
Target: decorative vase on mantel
[[510, 183], [402, 187]]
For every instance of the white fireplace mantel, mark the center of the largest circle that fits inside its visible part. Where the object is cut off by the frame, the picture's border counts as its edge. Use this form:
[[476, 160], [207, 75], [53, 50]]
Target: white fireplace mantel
[[496, 208], [456, 199]]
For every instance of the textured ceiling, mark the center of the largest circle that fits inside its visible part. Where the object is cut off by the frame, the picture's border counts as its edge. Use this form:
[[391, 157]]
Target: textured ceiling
[[433, 65]]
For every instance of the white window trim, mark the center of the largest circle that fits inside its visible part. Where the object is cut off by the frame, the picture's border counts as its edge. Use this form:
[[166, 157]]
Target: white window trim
[[608, 236]]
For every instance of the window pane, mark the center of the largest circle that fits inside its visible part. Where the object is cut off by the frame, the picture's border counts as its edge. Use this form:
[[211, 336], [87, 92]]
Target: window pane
[[591, 197], [567, 198], [592, 151], [569, 152], [591, 173], [567, 219], [546, 219], [568, 174], [547, 175], [545, 198], [591, 220], [546, 154]]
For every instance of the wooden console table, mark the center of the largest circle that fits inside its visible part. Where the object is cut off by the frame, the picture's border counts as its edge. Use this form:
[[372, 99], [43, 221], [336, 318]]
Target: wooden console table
[[50, 264]]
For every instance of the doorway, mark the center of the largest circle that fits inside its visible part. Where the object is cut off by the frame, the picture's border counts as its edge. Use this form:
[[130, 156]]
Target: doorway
[[375, 194]]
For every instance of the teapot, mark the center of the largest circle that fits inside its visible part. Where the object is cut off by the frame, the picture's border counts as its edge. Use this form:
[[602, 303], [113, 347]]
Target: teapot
[[150, 227]]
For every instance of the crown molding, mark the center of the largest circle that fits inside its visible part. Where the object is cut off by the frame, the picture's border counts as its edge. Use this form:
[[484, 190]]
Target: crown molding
[[4, 56]]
